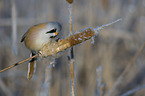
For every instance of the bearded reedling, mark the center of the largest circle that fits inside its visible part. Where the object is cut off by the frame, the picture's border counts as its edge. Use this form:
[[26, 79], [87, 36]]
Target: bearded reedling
[[36, 37]]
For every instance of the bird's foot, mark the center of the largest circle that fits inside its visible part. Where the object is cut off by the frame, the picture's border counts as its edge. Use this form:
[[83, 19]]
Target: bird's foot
[[39, 53]]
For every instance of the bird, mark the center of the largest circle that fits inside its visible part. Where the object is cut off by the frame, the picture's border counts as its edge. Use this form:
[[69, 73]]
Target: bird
[[36, 37]]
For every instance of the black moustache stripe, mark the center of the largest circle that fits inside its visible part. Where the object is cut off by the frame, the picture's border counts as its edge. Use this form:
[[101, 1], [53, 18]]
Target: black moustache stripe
[[51, 31], [52, 36]]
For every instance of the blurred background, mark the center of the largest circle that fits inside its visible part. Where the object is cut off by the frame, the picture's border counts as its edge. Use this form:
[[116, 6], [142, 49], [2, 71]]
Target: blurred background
[[113, 49]]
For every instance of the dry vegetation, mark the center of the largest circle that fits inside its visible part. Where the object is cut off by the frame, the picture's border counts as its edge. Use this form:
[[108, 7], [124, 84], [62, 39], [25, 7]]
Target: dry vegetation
[[114, 48]]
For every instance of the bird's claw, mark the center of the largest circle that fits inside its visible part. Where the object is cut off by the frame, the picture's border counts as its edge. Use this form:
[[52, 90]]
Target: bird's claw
[[39, 53]]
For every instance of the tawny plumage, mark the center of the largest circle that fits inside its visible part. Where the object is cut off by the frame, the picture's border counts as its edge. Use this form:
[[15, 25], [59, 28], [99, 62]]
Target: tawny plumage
[[36, 37]]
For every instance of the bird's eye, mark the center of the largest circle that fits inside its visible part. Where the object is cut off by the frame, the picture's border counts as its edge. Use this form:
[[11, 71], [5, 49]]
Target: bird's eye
[[51, 31]]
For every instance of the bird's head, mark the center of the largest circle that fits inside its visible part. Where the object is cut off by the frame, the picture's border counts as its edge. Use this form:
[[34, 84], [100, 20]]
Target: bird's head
[[53, 29], [38, 35]]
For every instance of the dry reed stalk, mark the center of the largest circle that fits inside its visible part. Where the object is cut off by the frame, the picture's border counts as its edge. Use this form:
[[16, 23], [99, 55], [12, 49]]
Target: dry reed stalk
[[128, 93], [100, 85], [14, 26], [71, 60], [101, 90], [18, 63], [120, 78], [73, 87]]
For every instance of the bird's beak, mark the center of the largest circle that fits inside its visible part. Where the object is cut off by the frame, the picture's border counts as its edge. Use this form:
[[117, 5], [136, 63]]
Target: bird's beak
[[56, 33]]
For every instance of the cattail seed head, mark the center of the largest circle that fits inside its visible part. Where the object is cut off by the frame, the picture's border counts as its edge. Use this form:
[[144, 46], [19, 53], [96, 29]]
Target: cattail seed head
[[77, 38], [70, 1]]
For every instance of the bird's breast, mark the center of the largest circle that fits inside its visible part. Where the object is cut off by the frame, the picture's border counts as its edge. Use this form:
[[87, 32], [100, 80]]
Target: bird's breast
[[36, 41]]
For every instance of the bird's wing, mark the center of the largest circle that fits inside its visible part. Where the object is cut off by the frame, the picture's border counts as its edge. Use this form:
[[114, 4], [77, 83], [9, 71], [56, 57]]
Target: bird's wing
[[34, 29], [23, 37]]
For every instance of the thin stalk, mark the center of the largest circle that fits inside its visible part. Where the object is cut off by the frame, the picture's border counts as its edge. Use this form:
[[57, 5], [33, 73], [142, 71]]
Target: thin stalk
[[133, 90], [71, 61], [14, 26], [18, 63]]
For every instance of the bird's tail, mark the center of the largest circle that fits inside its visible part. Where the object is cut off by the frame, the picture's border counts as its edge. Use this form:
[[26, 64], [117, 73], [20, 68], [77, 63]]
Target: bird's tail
[[31, 66]]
